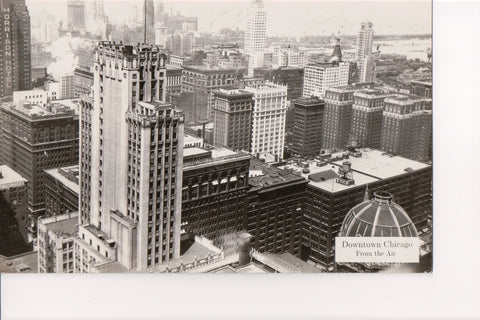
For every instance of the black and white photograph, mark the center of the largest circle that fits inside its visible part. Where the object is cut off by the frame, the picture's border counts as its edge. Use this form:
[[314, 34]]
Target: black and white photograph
[[248, 137]]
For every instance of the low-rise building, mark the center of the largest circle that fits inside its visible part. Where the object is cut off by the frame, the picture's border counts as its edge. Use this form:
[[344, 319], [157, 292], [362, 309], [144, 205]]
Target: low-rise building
[[61, 190], [56, 243]]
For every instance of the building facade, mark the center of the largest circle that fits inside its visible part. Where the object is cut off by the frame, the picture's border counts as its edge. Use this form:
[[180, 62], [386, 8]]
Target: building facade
[[215, 185], [61, 190], [407, 127], [330, 195], [318, 77], [174, 81], [367, 116], [268, 119], [233, 119], [15, 53], [256, 32], [307, 126], [34, 139], [274, 213], [292, 77], [38, 97], [76, 14], [56, 243], [67, 86], [200, 78], [364, 40], [337, 117], [131, 164], [13, 212], [83, 81]]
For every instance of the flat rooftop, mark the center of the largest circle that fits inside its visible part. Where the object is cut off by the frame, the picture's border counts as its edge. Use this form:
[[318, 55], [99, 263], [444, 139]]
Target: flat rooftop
[[222, 152], [57, 108], [372, 166], [22, 263], [264, 175], [195, 151], [10, 178], [59, 175], [65, 224]]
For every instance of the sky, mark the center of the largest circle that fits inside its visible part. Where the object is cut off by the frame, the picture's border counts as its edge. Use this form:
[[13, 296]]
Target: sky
[[284, 17]]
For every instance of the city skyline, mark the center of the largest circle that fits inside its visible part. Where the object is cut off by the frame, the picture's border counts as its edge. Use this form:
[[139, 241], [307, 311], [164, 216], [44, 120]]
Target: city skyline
[[306, 17]]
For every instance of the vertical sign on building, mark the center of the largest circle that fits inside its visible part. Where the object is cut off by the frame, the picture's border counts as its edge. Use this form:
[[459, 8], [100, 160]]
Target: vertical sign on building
[[7, 47]]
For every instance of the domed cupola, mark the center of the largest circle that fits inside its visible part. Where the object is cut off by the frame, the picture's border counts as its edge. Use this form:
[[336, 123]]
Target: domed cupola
[[379, 217]]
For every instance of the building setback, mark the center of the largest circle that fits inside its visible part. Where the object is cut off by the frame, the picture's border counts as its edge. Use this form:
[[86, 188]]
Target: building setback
[[274, 213], [34, 139], [61, 190], [131, 164], [307, 126], [15, 52], [13, 213], [407, 127], [215, 185], [233, 119], [367, 115]]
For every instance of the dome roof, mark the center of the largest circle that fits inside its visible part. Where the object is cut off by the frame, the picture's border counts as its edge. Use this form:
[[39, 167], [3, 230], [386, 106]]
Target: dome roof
[[379, 217]]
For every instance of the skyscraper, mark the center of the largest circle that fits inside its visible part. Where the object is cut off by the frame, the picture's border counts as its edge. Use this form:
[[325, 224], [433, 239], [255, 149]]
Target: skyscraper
[[364, 40], [15, 52], [48, 138], [256, 33], [131, 161], [363, 55], [318, 77], [268, 119], [367, 114], [148, 14], [407, 127], [76, 14], [233, 119], [307, 127]]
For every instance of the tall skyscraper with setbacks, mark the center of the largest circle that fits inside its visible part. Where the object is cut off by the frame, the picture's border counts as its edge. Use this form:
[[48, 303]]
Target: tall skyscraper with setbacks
[[131, 161]]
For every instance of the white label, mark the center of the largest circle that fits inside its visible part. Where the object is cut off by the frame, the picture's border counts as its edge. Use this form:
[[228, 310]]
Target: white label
[[377, 249]]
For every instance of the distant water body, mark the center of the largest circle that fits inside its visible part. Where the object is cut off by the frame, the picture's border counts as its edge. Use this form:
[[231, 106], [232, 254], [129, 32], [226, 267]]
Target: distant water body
[[412, 48]]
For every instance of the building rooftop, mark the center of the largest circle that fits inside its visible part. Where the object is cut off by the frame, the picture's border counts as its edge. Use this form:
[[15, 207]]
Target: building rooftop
[[222, 152], [68, 176], [309, 101], [198, 156], [262, 175], [210, 69], [371, 166], [232, 93], [62, 225], [404, 99], [55, 109], [426, 82], [10, 178], [22, 263]]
